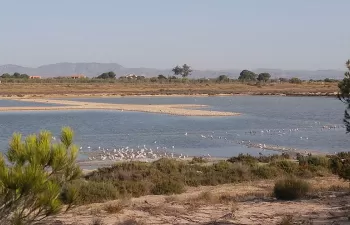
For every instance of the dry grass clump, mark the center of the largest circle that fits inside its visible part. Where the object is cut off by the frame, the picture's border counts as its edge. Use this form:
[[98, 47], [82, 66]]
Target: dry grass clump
[[97, 221], [171, 198], [291, 189], [289, 220], [114, 208], [130, 222], [117, 207], [166, 210], [286, 220]]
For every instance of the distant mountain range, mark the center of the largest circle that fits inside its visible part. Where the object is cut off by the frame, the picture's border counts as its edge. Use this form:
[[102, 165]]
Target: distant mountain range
[[95, 69]]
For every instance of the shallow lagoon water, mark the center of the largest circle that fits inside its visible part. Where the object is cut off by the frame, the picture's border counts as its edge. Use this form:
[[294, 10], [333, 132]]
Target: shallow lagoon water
[[109, 129]]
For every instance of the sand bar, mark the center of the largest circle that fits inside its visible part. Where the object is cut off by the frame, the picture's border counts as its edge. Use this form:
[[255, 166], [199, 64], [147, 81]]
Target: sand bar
[[172, 109]]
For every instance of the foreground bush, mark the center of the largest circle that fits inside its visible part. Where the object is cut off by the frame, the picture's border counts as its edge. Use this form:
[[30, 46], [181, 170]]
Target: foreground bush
[[90, 192], [33, 176], [291, 189], [168, 187], [340, 165]]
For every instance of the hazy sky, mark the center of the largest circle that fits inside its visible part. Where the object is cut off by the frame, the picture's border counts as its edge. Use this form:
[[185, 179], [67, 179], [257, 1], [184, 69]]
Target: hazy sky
[[207, 34]]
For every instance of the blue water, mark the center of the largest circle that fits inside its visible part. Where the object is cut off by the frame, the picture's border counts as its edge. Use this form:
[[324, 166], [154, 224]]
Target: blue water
[[110, 129]]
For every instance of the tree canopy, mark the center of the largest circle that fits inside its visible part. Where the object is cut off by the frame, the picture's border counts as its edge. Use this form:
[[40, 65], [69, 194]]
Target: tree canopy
[[184, 71], [264, 77], [161, 77], [33, 174], [108, 75], [295, 80], [344, 95], [247, 75], [222, 78]]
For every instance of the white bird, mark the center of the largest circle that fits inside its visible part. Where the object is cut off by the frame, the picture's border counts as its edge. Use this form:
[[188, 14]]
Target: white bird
[[186, 134]]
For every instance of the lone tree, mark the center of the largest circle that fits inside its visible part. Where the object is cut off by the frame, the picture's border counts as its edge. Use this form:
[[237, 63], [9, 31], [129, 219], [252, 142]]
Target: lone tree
[[108, 75], [161, 77], [340, 163], [247, 75], [33, 175], [222, 78], [264, 77], [184, 71]]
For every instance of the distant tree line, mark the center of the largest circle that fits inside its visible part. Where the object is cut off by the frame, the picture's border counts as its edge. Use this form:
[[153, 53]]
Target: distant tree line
[[180, 75], [15, 76]]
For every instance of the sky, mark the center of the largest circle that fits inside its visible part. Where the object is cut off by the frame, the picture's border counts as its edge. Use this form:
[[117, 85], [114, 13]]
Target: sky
[[206, 34]]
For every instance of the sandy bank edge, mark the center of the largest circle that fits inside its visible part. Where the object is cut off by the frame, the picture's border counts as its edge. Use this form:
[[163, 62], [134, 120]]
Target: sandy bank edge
[[171, 109]]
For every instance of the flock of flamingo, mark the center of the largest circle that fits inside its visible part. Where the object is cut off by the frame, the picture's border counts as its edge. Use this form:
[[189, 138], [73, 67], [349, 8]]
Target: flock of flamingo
[[150, 153]]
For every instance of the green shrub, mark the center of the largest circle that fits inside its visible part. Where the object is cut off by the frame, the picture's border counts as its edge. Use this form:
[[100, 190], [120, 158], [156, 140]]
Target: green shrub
[[287, 166], [133, 188], [247, 159], [166, 176], [92, 191], [265, 171], [311, 160], [167, 187], [291, 189]]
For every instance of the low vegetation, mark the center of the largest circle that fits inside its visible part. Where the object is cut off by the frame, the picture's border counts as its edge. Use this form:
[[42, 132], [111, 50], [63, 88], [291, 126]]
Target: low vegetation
[[167, 176], [291, 189]]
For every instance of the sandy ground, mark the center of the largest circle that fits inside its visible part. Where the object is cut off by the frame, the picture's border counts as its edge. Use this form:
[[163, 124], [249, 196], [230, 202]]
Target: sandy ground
[[174, 109], [45, 90], [246, 203]]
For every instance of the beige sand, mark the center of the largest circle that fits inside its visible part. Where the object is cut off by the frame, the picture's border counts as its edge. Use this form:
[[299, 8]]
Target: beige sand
[[250, 203], [174, 109]]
